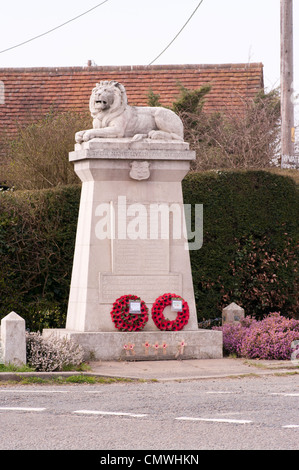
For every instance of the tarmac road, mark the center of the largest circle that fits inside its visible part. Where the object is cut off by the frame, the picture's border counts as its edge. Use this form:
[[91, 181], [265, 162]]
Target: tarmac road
[[245, 412]]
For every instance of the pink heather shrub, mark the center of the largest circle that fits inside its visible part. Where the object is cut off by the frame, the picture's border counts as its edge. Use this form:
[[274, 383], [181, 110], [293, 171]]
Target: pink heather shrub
[[270, 338]]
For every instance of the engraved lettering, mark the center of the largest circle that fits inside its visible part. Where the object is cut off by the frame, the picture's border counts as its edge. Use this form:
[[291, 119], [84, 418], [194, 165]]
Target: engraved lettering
[[148, 287]]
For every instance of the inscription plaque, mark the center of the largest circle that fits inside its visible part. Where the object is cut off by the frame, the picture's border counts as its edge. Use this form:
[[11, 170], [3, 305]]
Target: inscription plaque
[[141, 257], [147, 287], [135, 251]]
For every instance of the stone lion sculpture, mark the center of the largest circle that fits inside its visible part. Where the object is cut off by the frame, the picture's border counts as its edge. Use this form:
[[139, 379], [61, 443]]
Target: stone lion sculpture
[[114, 118]]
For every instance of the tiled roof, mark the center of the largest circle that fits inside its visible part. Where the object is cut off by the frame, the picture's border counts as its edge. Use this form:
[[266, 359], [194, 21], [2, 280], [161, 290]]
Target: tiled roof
[[32, 92]]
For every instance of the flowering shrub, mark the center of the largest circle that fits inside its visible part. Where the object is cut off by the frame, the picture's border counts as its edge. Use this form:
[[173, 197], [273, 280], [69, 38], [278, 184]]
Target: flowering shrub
[[270, 338], [47, 355]]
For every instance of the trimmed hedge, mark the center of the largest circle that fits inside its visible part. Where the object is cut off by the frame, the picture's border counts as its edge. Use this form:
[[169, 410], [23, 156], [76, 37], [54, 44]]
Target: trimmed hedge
[[249, 253], [37, 239], [250, 242]]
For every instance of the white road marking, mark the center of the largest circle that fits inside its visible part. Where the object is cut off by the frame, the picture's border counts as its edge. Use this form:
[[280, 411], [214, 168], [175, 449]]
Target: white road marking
[[216, 420], [113, 413], [19, 408], [286, 394], [34, 391], [291, 426], [216, 392]]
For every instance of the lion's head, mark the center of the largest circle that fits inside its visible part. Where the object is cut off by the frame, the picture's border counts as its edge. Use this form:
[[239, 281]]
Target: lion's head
[[106, 98]]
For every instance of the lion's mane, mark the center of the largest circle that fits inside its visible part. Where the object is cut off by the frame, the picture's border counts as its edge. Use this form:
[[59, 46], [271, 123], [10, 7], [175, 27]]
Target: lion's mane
[[120, 101]]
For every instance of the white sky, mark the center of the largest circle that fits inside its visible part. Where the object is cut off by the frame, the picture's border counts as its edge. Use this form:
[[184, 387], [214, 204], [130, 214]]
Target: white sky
[[134, 32]]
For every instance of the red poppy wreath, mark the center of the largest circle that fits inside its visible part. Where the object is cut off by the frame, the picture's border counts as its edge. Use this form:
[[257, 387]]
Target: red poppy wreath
[[163, 323], [123, 319]]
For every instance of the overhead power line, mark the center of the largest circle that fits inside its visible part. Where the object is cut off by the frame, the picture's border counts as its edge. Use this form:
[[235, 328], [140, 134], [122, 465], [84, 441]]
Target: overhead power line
[[177, 33], [54, 29]]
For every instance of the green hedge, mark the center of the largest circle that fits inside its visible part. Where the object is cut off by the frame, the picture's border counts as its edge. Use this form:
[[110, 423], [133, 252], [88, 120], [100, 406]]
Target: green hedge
[[37, 239], [249, 252], [250, 242]]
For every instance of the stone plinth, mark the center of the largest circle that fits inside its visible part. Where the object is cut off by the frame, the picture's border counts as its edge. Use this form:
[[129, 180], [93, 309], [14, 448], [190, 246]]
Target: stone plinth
[[131, 239], [120, 248]]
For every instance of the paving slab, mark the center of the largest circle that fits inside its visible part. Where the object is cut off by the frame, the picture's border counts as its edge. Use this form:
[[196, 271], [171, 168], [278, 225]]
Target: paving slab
[[170, 370], [189, 369]]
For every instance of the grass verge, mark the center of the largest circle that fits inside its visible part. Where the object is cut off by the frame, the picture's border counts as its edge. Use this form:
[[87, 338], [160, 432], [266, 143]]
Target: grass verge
[[61, 380]]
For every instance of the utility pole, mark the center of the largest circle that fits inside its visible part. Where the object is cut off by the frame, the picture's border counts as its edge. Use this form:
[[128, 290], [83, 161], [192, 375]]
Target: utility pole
[[286, 84]]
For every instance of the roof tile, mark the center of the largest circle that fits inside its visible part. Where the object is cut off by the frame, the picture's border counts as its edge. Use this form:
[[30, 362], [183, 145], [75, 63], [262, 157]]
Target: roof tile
[[34, 91]]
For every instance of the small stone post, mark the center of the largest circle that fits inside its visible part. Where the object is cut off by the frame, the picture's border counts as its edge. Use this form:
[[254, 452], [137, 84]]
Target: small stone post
[[13, 339], [233, 313]]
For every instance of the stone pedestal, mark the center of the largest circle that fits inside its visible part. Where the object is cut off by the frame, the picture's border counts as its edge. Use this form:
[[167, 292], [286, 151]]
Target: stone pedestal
[[130, 240]]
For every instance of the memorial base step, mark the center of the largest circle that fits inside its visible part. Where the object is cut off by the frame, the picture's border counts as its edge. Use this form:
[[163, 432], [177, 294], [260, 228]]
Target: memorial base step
[[145, 345]]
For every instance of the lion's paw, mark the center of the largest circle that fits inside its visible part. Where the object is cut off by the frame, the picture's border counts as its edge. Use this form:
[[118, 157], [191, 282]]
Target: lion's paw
[[87, 136], [138, 137], [79, 137]]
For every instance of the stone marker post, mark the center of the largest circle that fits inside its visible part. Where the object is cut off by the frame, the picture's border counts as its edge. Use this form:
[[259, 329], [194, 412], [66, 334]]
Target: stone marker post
[[13, 339], [233, 313]]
